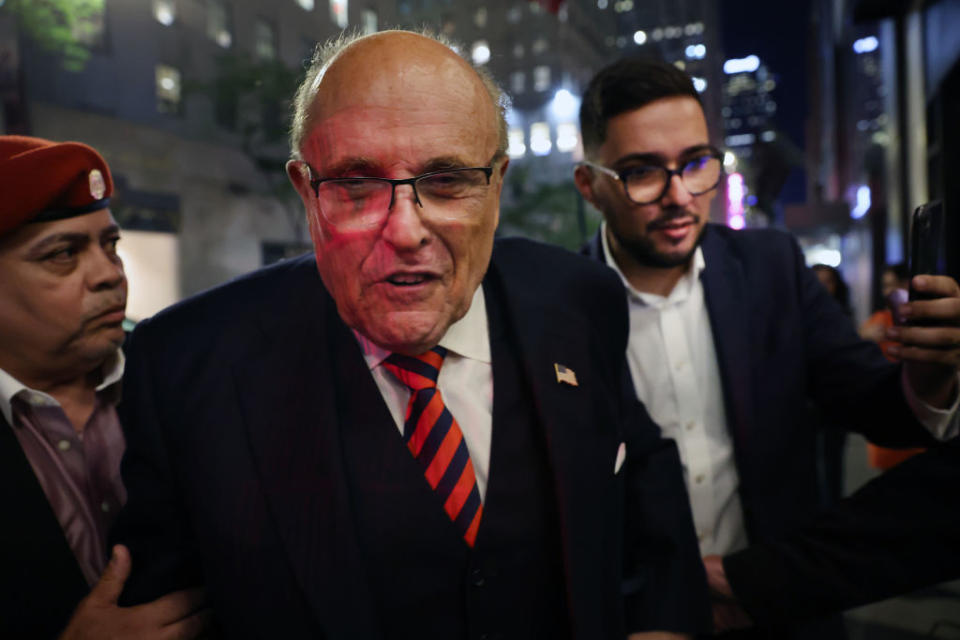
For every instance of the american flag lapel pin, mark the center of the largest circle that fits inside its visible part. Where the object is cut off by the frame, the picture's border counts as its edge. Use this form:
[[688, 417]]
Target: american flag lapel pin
[[565, 375]]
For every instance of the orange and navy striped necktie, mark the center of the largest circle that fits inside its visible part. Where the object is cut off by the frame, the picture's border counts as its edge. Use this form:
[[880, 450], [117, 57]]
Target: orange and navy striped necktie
[[435, 440]]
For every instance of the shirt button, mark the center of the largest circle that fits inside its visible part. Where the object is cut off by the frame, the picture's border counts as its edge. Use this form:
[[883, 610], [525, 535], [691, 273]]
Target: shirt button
[[680, 365], [476, 577], [691, 425], [700, 478], [64, 445], [105, 506]]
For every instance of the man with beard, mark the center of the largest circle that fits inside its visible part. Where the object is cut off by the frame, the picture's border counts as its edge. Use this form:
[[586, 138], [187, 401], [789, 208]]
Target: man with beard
[[730, 334], [63, 293]]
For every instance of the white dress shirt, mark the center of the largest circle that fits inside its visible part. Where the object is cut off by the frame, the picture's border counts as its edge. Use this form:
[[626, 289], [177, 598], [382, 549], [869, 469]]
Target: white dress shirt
[[673, 362], [674, 368], [465, 382]]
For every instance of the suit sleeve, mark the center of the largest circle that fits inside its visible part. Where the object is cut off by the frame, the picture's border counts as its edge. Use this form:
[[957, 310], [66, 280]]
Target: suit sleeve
[[900, 532], [664, 582], [848, 377], [152, 524]]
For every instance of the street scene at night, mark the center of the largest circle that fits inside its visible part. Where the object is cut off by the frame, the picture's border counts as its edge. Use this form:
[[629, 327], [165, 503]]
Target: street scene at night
[[660, 297]]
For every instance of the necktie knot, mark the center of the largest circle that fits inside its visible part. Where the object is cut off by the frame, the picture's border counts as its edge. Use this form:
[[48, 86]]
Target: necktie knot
[[417, 372]]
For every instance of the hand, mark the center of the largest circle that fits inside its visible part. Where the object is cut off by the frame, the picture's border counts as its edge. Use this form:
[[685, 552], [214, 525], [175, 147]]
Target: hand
[[175, 616], [931, 353], [727, 612], [872, 332], [659, 635]]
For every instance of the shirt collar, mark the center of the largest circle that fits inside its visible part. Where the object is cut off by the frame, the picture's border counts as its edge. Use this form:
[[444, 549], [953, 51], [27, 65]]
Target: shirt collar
[[468, 337], [680, 292], [10, 387]]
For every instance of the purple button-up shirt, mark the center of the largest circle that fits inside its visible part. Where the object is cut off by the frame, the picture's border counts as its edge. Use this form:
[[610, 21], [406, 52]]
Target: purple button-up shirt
[[78, 471]]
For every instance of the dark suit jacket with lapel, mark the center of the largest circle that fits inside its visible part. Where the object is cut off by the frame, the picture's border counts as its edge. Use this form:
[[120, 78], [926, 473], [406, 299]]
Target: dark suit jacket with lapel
[[40, 580], [782, 341], [235, 475]]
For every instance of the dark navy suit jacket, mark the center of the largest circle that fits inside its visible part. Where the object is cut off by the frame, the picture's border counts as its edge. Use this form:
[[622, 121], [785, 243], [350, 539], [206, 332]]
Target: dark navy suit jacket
[[40, 580], [234, 465], [782, 341]]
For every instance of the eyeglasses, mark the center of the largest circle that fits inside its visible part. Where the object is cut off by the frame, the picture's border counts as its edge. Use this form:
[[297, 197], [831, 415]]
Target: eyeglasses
[[362, 202], [646, 184]]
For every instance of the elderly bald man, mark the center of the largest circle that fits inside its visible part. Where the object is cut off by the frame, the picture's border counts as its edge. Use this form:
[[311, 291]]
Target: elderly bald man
[[415, 432]]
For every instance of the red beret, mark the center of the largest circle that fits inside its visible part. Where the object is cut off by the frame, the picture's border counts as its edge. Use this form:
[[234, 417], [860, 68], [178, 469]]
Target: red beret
[[42, 180]]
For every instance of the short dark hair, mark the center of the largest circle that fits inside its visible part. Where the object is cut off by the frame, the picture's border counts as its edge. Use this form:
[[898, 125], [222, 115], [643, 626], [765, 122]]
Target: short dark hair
[[626, 85]]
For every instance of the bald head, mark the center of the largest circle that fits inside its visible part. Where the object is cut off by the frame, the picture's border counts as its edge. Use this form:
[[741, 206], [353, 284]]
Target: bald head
[[381, 67]]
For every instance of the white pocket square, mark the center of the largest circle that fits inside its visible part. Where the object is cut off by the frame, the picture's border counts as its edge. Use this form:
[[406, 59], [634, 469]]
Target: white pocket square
[[621, 456]]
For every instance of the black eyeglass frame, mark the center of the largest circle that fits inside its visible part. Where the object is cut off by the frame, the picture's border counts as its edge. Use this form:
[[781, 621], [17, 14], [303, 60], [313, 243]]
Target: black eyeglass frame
[[395, 182], [621, 176]]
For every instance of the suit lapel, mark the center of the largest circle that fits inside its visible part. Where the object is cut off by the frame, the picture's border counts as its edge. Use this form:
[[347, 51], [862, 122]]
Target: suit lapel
[[285, 389], [577, 445], [724, 287]]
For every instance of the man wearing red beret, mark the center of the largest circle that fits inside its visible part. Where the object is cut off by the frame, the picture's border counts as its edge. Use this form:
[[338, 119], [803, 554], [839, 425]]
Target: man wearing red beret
[[62, 298]]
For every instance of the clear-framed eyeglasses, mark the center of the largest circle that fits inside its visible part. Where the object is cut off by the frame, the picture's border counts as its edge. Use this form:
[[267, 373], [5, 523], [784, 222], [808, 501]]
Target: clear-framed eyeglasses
[[646, 184], [360, 202]]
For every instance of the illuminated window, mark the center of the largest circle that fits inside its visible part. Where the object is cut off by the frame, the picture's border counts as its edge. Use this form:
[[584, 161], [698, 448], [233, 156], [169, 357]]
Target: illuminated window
[[539, 46], [480, 17], [516, 148], [518, 51], [515, 14], [218, 23], [338, 13], [168, 89], [480, 52], [165, 11], [264, 40], [567, 137], [541, 78], [306, 5], [540, 139], [518, 81], [369, 22]]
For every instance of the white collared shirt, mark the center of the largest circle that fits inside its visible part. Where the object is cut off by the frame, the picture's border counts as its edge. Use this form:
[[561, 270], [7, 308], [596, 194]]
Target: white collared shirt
[[673, 363], [465, 381], [10, 387]]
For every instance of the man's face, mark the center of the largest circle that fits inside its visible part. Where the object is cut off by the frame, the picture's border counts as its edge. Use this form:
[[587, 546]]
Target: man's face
[[666, 132], [62, 296], [416, 109]]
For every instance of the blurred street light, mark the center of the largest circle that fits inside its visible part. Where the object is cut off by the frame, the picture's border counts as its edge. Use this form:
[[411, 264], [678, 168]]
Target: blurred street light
[[741, 65], [866, 45]]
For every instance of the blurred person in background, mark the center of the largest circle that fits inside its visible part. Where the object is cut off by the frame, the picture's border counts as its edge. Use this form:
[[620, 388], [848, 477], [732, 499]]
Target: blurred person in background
[[414, 432], [831, 440], [832, 280], [731, 335], [62, 298], [895, 277]]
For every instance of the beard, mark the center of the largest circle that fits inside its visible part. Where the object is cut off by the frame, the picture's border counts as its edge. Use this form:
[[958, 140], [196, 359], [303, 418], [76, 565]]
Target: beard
[[644, 251]]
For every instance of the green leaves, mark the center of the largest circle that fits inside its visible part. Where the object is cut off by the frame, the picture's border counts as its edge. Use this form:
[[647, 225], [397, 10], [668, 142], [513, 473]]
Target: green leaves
[[67, 28]]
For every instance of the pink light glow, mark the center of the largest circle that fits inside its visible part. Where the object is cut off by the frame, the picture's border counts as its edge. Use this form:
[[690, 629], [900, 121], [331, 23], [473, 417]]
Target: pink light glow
[[735, 193]]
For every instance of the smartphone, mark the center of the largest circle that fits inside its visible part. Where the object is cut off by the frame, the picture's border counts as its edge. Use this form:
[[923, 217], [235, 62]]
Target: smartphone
[[927, 251]]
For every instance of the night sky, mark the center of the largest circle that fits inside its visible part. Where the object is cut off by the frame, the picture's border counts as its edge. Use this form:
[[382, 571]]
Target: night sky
[[777, 33]]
